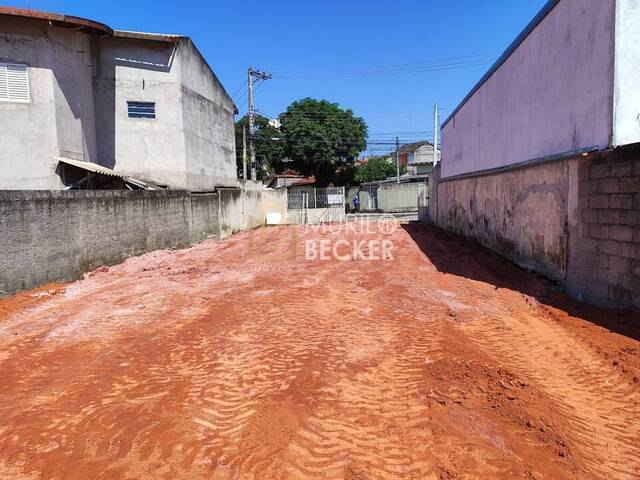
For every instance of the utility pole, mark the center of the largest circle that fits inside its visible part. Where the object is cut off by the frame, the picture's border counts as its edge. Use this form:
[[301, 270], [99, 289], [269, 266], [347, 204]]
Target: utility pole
[[436, 131], [251, 73], [398, 158], [244, 153]]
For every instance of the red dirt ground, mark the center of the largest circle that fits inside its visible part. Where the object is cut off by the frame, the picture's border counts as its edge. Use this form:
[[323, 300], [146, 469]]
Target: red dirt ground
[[239, 359]]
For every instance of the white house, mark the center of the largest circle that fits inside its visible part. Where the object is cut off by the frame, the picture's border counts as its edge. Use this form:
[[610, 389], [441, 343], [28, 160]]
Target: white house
[[79, 99]]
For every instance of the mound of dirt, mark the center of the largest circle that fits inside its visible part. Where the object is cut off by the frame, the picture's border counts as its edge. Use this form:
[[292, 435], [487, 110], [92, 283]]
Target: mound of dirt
[[517, 402]]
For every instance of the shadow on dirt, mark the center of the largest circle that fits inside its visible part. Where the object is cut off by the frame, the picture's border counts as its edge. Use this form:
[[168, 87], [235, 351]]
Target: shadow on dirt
[[457, 255]]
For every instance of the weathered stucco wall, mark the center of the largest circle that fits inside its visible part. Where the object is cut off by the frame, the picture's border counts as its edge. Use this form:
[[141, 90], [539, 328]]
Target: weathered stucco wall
[[59, 119], [191, 142], [142, 71], [208, 123], [56, 236], [521, 214], [553, 95], [576, 221], [48, 236]]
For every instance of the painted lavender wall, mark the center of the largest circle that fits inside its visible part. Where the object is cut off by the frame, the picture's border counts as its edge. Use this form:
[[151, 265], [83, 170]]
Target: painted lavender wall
[[553, 95], [627, 73]]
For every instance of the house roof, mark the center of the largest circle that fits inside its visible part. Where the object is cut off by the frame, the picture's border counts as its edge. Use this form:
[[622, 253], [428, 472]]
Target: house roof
[[413, 147], [59, 20], [305, 181], [407, 178], [284, 175], [101, 170], [270, 180], [158, 37], [542, 14]]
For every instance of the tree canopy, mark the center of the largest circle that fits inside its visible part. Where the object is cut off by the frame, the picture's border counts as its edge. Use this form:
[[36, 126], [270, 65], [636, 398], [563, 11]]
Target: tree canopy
[[323, 140], [269, 153], [375, 169], [316, 138]]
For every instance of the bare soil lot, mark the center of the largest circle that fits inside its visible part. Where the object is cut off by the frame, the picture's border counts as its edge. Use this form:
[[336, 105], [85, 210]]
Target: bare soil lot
[[240, 359]]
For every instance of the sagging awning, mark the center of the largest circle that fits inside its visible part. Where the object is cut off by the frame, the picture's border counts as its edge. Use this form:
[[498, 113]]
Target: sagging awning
[[102, 170]]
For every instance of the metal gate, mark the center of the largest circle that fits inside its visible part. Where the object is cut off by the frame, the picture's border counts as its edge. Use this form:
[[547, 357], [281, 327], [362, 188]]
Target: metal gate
[[369, 198], [311, 205]]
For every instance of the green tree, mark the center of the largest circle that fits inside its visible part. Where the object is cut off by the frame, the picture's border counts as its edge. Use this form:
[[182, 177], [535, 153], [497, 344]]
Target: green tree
[[269, 152], [322, 139], [375, 169]]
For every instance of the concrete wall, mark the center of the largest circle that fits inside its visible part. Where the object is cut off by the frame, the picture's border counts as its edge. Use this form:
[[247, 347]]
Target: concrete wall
[[209, 131], [405, 197], [57, 236], [191, 142], [521, 214], [205, 217], [59, 120], [552, 95], [49, 236], [576, 221], [273, 201]]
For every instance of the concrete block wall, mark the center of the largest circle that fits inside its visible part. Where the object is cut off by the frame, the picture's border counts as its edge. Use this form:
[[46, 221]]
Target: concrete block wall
[[56, 236], [576, 220], [606, 267]]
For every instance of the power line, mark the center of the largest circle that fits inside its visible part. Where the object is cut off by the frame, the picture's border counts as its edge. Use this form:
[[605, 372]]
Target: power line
[[343, 142], [391, 72], [333, 116], [238, 91], [398, 67]]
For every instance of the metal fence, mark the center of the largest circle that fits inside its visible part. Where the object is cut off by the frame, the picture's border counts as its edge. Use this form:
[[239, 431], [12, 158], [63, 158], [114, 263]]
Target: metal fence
[[317, 205], [316, 198]]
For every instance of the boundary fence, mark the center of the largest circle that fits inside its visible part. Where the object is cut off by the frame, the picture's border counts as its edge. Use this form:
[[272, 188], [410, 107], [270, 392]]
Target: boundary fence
[[317, 205]]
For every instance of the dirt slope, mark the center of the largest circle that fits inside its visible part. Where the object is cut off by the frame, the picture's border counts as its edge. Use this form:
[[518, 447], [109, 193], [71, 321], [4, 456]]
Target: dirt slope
[[242, 360]]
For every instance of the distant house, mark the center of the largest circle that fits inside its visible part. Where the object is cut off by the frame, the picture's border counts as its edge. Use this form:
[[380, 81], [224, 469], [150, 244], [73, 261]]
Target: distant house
[[282, 180], [417, 157], [302, 185], [81, 102]]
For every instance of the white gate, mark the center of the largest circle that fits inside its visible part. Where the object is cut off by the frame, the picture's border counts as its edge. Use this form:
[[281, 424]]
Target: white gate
[[317, 205]]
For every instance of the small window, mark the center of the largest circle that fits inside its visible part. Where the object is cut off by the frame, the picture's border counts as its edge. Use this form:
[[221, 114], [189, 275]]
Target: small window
[[14, 83], [142, 109]]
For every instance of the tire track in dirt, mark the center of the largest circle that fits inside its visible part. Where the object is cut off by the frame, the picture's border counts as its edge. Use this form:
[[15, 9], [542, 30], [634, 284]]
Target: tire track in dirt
[[249, 362], [591, 396], [373, 422], [601, 406]]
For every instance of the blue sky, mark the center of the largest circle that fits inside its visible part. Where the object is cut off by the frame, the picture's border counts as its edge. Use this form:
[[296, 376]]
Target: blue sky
[[388, 61]]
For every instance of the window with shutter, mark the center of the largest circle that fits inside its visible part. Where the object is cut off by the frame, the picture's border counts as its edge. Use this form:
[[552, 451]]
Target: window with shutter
[[14, 83]]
